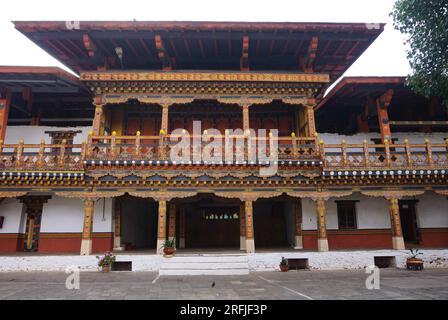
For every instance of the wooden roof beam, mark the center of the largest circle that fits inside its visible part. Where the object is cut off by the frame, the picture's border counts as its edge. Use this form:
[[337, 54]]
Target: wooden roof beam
[[167, 62], [93, 52], [307, 62], [244, 61]]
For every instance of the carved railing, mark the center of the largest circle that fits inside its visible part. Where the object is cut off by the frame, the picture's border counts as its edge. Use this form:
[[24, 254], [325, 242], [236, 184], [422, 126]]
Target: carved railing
[[42, 156], [159, 147], [63, 156], [385, 155]]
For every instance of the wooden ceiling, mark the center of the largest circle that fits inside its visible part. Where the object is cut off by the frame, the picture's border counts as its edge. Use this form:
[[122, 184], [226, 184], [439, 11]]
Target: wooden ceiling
[[301, 47]]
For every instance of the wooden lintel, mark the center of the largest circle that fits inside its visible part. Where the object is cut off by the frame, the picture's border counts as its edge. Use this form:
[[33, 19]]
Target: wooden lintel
[[307, 62], [167, 62], [244, 61]]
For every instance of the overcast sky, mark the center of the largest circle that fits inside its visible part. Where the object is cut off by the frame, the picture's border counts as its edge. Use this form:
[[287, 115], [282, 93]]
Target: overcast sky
[[385, 57]]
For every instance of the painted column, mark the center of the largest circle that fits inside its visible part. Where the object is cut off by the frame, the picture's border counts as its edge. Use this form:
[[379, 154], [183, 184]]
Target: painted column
[[182, 227], [164, 122], [98, 118], [246, 123], [298, 237], [5, 103], [397, 235], [86, 242], [250, 242], [382, 105], [172, 222], [117, 223], [322, 240], [161, 226], [310, 121], [242, 227]]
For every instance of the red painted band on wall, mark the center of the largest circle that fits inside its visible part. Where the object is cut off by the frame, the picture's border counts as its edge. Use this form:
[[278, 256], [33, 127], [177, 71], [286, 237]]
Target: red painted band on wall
[[71, 242]]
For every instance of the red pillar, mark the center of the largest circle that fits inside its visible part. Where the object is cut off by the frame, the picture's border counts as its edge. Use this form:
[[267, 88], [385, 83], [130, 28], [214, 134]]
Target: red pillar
[[5, 103]]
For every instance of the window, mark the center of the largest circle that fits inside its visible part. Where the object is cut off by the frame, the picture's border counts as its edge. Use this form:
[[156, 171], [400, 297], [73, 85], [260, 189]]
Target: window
[[347, 214]]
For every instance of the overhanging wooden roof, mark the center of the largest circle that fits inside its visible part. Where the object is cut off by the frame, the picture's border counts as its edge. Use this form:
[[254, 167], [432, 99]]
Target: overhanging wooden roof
[[39, 80], [319, 47], [351, 91]]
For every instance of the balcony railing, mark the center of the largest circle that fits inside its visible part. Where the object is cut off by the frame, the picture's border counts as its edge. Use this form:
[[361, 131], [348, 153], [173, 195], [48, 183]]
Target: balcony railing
[[385, 155], [40, 157]]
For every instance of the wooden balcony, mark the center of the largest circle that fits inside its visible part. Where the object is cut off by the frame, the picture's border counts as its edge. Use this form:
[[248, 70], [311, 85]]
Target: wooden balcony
[[111, 149]]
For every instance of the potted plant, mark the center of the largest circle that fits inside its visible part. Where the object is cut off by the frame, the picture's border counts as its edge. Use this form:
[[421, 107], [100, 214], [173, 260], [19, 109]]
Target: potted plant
[[284, 265], [106, 261], [169, 247], [414, 263]]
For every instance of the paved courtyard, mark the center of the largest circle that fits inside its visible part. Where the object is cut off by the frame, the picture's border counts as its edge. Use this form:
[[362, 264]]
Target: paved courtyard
[[302, 285]]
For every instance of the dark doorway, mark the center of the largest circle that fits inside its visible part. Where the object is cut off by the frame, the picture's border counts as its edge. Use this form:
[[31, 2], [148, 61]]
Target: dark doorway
[[211, 222], [138, 223], [270, 223], [408, 219]]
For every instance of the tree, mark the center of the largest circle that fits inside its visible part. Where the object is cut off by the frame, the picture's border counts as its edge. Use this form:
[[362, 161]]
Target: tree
[[426, 24]]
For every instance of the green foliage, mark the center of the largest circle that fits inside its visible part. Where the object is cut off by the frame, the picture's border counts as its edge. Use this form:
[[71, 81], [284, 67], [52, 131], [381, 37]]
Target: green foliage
[[425, 22], [169, 243], [106, 260], [414, 254], [284, 261]]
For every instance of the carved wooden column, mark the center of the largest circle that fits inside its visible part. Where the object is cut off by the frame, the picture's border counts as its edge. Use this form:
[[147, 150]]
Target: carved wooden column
[[322, 240], [164, 122], [5, 102], [86, 242], [161, 226], [246, 123], [117, 224], [311, 125], [242, 227], [182, 227], [382, 105], [250, 241], [172, 222], [298, 237], [397, 235], [99, 116]]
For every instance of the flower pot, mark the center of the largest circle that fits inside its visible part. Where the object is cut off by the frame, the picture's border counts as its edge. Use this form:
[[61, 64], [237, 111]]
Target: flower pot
[[105, 268], [414, 264], [284, 267], [168, 252]]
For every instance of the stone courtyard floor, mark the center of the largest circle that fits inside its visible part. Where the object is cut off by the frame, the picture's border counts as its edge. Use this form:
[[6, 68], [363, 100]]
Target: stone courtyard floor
[[301, 285]]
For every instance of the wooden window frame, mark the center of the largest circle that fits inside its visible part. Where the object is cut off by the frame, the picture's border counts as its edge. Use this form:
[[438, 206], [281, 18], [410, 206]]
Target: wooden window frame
[[347, 203]]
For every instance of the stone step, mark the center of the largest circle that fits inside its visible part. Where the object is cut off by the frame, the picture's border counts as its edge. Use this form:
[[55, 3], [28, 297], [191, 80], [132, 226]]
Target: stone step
[[205, 265], [212, 259], [222, 272]]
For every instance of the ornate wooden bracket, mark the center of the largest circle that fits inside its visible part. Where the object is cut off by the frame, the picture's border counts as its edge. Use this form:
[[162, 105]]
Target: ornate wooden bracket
[[393, 194], [11, 194], [319, 195], [162, 195], [89, 195]]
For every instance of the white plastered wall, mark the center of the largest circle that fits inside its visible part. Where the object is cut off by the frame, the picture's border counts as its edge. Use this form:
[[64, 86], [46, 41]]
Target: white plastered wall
[[371, 213], [12, 210], [67, 215], [432, 211]]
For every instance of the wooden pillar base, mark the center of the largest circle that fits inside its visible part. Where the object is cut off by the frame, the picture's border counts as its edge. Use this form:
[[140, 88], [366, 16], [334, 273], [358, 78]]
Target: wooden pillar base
[[398, 243], [159, 248], [181, 243], [250, 246], [86, 247], [322, 245], [298, 242], [242, 243], [117, 244]]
